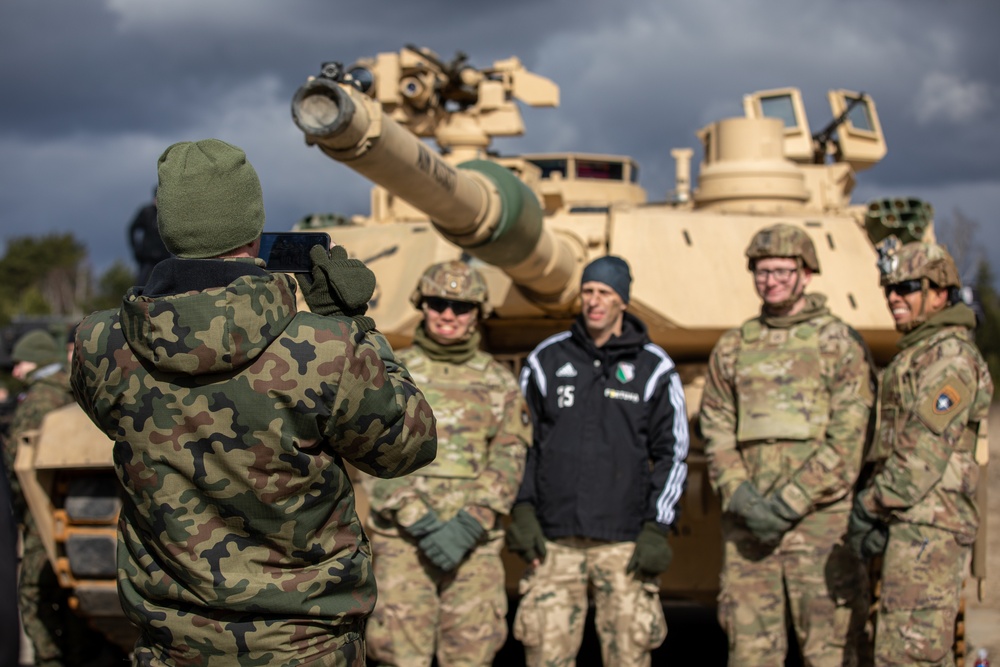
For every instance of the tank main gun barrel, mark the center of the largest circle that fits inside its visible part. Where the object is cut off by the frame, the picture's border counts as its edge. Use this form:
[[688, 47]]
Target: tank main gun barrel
[[480, 206]]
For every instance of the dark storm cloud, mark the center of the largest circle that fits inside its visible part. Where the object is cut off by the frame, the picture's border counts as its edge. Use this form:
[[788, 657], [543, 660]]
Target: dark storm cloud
[[94, 91]]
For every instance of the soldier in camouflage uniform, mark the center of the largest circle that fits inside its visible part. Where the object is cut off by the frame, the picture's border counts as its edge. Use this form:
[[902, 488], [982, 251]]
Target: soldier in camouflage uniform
[[58, 636], [232, 416], [919, 505], [436, 535], [785, 415]]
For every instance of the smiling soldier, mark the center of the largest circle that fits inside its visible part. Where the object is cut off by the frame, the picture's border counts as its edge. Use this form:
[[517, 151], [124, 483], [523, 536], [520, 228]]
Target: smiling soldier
[[919, 506], [436, 535], [785, 416]]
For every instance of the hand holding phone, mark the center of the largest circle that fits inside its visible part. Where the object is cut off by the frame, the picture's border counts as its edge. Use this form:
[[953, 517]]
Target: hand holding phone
[[288, 252], [338, 285]]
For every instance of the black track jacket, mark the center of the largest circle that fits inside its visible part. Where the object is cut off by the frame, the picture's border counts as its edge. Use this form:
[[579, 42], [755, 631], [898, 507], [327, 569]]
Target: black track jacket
[[610, 434]]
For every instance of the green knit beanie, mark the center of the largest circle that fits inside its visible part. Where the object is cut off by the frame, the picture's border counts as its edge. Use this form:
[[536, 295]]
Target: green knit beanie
[[209, 199], [39, 347]]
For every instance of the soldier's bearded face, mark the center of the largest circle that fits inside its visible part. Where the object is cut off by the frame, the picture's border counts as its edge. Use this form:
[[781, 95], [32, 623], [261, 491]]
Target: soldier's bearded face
[[447, 328], [780, 282], [602, 308]]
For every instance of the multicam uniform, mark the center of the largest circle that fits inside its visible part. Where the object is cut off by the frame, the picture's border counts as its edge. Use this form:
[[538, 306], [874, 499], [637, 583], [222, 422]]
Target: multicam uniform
[[483, 433], [786, 407], [934, 399], [232, 415], [933, 403]]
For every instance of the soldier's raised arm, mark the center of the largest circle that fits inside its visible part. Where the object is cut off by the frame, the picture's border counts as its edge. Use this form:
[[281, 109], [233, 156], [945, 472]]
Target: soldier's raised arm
[[382, 422]]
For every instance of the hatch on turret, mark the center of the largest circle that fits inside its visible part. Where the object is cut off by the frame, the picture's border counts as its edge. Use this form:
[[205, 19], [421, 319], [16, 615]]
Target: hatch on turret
[[786, 105], [853, 136], [585, 182]]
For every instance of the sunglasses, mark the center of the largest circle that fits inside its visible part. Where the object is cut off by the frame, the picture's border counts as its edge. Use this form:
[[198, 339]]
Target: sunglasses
[[439, 305], [903, 288]]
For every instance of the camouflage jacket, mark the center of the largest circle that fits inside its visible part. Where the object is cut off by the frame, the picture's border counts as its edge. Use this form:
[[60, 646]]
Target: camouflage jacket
[[48, 390], [933, 405], [786, 406], [483, 433], [232, 415]]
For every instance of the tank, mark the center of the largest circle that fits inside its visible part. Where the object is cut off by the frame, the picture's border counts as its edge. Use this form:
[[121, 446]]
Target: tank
[[530, 223]]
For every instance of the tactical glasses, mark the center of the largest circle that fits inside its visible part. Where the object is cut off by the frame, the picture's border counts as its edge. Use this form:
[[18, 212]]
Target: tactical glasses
[[439, 305], [903, 288]]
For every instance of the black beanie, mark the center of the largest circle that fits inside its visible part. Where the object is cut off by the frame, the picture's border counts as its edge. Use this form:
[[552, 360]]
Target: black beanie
[[612, 271], [208, 199]]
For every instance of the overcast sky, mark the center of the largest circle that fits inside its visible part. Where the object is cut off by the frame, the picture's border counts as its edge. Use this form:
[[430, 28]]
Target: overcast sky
[[94, 90]]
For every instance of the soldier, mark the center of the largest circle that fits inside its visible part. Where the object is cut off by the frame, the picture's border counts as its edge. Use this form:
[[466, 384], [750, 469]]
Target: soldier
[[144, 237], [436, 535], [785, 416], [232, 415], [919, 505], [58, 636], [602, 480]]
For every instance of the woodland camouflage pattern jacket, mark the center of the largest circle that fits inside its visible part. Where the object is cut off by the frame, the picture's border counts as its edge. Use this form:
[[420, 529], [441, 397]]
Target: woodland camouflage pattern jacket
[[232, 415]]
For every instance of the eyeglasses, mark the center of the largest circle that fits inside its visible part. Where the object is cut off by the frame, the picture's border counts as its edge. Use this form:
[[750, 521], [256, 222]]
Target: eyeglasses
[[781, 275], [439, 305], [903, 288]]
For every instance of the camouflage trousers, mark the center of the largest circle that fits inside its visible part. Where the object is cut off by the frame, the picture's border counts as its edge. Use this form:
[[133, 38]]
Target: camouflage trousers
[[810, 577], [553, 609], [922, 573], [459, 616]]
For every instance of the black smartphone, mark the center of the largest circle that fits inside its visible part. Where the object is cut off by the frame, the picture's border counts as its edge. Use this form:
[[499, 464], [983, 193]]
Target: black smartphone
[[288, 252]]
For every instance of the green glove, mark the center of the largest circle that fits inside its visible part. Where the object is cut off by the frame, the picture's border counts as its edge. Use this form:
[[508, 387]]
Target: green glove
[[448, 545], [425, 525], [652, 553], [779, 508], [338, 285], [524, 534], [758, 515], [867, 534], [875, 542]]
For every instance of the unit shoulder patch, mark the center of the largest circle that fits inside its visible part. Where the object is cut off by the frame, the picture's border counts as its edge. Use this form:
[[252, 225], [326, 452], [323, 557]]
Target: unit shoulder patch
[[943, 404]]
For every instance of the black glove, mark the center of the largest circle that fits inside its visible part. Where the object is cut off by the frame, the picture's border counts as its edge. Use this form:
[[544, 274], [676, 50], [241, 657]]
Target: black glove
[[338, 285], [652, 553], [524, 534], [448, 545], [867, 534], [760, 516]]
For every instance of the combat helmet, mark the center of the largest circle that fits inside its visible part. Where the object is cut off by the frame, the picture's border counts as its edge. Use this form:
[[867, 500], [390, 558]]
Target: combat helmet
[[916, 261], [783, 240], [453, 280]]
